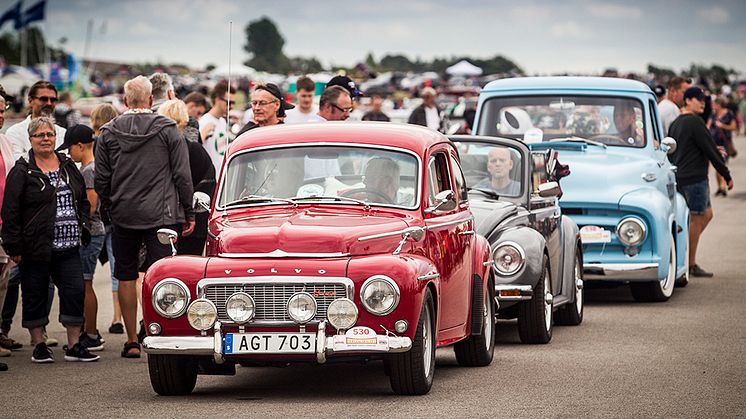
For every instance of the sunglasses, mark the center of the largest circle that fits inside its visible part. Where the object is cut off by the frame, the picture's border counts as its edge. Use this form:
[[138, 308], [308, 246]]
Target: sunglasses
[[50, 99], [343, 110]]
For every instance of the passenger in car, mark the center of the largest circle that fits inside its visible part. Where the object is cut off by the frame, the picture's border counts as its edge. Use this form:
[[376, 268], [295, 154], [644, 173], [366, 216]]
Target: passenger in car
[[381, 180], [499, 165], [625, 120]]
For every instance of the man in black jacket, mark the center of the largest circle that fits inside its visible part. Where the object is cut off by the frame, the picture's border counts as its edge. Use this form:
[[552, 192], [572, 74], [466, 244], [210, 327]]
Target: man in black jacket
[[694, 152], [144, 183], [427, 114]]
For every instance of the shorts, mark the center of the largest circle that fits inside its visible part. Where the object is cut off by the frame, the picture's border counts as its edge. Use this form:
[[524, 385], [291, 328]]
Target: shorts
[[126, 244], [89, 256], [697, 196]]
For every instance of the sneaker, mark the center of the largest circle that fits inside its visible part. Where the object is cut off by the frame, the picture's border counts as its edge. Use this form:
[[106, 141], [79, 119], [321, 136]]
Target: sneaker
[[697, 271], [42, 354], [4, 352], [116, 328], [3, 367], [80, 353], [89, 343], [8, 343]]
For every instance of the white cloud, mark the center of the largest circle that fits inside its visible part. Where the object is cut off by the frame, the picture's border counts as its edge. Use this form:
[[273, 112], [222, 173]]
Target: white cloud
[[615, 11], [715, 14], [528, 13], [569, 29]]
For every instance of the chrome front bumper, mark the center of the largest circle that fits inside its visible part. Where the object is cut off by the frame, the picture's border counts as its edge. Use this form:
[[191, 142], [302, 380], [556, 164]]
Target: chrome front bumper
[[620, 271], [325, 345]]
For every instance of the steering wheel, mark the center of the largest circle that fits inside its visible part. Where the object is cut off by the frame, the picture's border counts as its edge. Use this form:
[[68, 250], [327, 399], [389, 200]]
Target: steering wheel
[[369, 192], [609, 139]]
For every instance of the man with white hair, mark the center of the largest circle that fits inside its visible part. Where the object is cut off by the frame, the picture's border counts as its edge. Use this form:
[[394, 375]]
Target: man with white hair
[[427, 114], [163, 89], [152, 189]]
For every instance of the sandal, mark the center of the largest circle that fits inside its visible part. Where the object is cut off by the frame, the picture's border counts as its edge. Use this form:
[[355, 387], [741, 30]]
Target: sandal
[[128, 352]]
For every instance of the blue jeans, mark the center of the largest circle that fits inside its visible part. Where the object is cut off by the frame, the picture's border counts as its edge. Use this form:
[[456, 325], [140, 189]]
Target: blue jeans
[[89, 256]]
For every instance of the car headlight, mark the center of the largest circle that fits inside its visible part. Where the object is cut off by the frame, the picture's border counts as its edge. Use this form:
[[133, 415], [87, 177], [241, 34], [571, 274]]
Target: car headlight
[[379, 295], [302, 307], [342, 313], [508, 258], [202, 314], [240, 307], [170, 298], [630, 231]]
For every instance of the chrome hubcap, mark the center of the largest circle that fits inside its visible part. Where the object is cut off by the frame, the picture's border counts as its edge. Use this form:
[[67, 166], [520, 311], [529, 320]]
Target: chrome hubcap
[[426, 332], [578, 289], [548, 299], [668, 283], [487, 321]]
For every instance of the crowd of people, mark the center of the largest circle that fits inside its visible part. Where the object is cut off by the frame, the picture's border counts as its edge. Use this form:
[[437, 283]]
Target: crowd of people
[[74, 195]]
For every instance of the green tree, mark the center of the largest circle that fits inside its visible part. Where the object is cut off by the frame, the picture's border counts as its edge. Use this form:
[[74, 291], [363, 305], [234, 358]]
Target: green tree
[[264, 42]]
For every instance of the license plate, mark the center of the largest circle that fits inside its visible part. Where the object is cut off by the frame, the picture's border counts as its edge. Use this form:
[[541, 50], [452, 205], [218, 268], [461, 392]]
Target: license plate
[[270, 343], [594, 234]]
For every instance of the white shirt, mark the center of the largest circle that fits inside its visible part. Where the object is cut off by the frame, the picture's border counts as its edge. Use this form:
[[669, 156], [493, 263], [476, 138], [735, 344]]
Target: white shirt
[[668, 112], [296, 116], [19, 141], [432, 116], [316, 118], [217, 143]]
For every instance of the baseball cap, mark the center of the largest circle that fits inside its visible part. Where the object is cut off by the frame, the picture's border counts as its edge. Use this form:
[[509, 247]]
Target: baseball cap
[[659, 90], [7, 97], [694, 92], [276, 92], [77, 134], [347, 83]]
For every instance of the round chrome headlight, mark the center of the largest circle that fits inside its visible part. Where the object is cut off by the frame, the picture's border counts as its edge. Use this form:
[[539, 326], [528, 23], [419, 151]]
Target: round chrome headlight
[[342, 313], [202, 314], [240, 307], [379, 295], [170, 298], [302, 307], [630, 231], [508, 258]]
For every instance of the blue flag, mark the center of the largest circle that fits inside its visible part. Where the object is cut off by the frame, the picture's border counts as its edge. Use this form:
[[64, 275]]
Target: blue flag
[[32, 14], [13, 14]]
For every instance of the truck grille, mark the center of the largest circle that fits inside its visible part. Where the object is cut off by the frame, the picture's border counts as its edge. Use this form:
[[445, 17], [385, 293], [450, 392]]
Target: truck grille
[[271, 299]]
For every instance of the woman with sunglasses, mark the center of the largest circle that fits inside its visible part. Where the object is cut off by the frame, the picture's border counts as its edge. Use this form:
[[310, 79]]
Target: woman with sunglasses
[[44, 210]]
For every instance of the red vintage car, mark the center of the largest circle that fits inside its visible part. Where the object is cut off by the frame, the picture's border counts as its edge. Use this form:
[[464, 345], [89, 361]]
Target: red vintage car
[[344, 241]]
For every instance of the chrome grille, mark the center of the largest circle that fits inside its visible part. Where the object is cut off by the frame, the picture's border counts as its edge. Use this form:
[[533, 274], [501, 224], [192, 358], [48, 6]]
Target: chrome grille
[[271, 299]]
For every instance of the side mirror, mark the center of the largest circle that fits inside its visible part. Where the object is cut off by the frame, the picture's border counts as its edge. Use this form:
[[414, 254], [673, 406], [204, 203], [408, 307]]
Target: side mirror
[[670, 144], [168, 236], [201, 202], [444, 201], [549, 189]]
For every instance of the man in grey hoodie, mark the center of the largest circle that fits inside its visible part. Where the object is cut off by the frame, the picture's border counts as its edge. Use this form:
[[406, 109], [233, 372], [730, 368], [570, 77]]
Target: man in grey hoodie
[[144, 183]]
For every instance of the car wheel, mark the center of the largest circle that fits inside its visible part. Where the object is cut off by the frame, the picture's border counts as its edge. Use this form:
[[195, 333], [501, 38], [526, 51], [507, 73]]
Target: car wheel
[[683, 280], [535, 315], [411, 372], [172, 375], [657, 291], [571, 314], [478, 350]]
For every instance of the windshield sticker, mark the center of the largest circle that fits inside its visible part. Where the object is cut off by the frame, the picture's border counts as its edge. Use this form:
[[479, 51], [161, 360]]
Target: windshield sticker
[[533, 135]]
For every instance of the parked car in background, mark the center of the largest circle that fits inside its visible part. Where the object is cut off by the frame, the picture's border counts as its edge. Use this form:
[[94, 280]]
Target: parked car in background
[[537, 258], [622, 190], [85, 105], [346, 241]]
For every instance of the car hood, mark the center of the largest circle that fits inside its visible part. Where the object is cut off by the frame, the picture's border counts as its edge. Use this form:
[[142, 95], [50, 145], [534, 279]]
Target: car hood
[[309, 232], [489, 213]]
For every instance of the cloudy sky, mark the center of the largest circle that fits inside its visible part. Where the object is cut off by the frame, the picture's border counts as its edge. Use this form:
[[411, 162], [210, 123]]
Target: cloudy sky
[[542, 36]]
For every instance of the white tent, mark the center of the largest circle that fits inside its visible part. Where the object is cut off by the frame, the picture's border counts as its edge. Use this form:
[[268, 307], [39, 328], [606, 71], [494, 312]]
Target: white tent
[[464, 68], [235, 71]]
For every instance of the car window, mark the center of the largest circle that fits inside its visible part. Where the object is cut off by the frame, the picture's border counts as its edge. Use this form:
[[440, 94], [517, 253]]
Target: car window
[[458, 177], [438, 177], [654, 118], [538, 169], [492, 166]]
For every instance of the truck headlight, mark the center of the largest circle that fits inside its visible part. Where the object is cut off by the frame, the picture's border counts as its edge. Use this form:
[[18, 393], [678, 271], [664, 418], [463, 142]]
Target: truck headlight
[[202, 314], [379, 295], [240, 307], [170, 298], [630, 231], [509, 258], [302, 307], [342, 313]]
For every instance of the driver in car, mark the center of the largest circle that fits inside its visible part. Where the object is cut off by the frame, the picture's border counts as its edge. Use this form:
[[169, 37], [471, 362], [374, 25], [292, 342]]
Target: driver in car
[[499, 165], [381, 179], [625, 120]]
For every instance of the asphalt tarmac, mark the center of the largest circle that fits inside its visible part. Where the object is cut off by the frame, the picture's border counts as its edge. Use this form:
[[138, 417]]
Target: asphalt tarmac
[[682, 358]]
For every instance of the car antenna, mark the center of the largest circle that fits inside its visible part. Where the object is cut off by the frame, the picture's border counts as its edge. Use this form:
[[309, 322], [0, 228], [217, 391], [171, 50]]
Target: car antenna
[[228, 111]]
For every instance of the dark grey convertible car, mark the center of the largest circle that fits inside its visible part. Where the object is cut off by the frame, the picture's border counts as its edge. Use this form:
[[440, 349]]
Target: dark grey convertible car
[[536, 251]]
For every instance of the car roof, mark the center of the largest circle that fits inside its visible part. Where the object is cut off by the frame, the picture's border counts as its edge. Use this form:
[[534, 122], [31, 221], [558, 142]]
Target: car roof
[[567, 83], [409, 137]]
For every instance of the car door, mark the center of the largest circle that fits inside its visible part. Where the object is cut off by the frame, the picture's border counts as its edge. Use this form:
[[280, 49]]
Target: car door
[[449, 240], [545, 217]]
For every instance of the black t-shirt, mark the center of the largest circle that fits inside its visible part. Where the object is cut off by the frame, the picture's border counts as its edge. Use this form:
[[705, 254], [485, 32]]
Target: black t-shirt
[[695, 150]]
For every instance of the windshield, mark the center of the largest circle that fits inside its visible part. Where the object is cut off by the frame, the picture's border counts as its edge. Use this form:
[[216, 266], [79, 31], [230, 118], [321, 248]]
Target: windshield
[[492, 167], [614, 121], [326, 174]]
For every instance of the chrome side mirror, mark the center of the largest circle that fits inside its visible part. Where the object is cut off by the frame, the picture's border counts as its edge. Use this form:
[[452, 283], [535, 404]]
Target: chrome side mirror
[[201, 202], [549, 189], [168, 236], [444, 201], [670, 144]]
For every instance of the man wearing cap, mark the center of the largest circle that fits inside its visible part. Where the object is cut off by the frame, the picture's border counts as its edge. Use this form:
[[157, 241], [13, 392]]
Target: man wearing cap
[[79, 143], [694, 152], [670, 107], [268, 106], [427, 114], [42, 99]]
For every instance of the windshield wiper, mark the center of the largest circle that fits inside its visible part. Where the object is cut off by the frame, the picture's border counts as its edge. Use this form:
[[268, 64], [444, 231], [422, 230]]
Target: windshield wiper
[[577, 140], [491, 194], [335, 198], [258, 198]]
